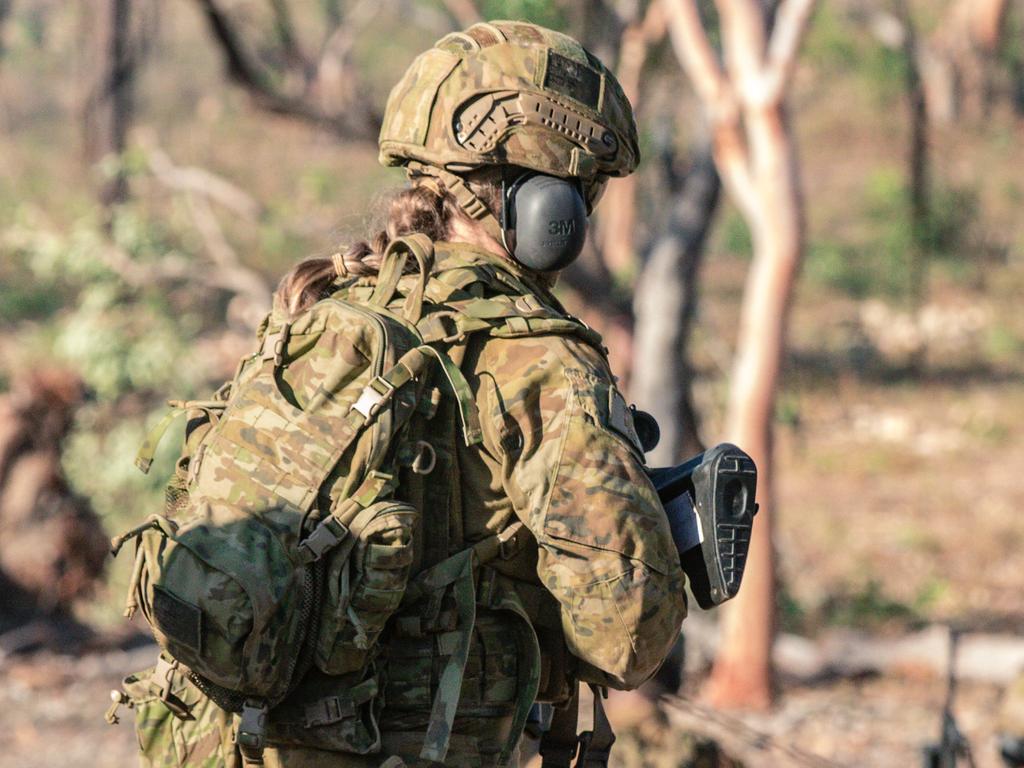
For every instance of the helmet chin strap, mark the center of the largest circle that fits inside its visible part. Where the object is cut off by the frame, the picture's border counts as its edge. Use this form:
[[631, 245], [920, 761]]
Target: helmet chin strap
[[467, 199]]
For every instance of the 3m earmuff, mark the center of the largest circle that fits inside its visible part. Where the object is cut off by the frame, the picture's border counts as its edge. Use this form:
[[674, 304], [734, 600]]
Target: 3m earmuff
[[543, 220]]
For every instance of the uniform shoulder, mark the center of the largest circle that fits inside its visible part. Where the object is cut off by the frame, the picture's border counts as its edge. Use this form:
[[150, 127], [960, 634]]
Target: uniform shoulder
[[549, 359]]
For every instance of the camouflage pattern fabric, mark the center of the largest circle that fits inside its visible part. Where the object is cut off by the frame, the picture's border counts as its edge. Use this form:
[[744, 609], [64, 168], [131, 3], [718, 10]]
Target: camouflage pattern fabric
[[592, 579], [201, 738], [595, 575], [559, 455], [511, 93]]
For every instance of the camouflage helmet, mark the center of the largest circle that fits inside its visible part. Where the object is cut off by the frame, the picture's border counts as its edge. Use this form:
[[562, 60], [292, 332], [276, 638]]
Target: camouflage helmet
[[510, 93]]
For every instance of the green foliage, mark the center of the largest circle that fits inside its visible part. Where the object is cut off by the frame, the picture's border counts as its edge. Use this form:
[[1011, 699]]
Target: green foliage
[[541, 12], [830, 43], [857, 272], [880, 262], [867, 606], [1011, 47], [885, 71], [837, 45], [22, 298], [121, 345], [99, 460], [1002, 343], [132, 344], [121, 338], [736, 235]]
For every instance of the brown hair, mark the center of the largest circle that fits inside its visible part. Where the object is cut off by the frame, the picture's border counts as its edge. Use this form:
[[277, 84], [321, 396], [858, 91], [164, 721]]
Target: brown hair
[[423, 207]]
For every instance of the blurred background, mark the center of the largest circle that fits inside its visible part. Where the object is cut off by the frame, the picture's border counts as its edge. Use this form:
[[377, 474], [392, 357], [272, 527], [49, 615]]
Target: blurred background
[[821, 259]]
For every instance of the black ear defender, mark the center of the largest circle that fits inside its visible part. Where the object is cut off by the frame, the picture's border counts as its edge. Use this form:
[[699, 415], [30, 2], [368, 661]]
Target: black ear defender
[[543, 220]]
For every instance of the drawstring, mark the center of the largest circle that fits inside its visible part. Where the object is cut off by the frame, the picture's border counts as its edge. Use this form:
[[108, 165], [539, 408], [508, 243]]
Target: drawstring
[[117, 698], [119, 541], [131, 604]]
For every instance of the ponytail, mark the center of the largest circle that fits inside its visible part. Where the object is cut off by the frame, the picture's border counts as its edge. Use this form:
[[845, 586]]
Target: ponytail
[[427, 208]]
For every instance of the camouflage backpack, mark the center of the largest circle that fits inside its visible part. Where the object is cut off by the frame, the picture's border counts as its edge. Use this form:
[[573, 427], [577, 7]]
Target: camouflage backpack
[[282, 547], [305, 476]]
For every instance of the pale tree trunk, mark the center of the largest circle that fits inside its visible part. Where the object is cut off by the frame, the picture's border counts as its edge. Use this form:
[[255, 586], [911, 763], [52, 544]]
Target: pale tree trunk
[[108, 110], [756, 156], [956, 61], [617, 223], [610, 250], [664, 304]]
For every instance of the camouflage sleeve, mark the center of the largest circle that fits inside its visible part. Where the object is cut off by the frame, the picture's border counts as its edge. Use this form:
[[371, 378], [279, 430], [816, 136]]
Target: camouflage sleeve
[[572, 468]]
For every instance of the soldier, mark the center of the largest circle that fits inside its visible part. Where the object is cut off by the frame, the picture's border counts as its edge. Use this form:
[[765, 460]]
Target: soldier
[[508, 132]]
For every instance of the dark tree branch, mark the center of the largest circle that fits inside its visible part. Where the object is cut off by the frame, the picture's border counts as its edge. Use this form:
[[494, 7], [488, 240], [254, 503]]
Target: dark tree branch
[[108, 109], [284, 28], [357, 121], [5, 11]]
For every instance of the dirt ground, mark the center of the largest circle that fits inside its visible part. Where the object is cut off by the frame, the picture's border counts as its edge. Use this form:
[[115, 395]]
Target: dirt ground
[[898, 508], [53, 716]]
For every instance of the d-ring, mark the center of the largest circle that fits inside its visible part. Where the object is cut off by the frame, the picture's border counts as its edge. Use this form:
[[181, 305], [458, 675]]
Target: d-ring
[[425, 449]]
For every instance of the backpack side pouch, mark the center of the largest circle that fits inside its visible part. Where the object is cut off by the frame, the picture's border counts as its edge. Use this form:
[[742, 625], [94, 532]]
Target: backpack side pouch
[[365, 584], [204, 589]]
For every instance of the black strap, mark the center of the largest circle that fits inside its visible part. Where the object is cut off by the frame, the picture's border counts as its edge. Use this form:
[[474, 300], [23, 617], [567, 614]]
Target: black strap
[[560, 744], [596, 744]]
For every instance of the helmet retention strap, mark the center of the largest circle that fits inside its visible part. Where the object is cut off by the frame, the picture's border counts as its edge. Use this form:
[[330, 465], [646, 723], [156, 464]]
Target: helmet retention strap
[[467, 199]]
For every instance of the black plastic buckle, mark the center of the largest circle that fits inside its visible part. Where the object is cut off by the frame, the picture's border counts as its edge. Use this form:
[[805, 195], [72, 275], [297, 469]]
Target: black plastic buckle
[[323, 539], [251, 736], [591, 755], [558, 756]]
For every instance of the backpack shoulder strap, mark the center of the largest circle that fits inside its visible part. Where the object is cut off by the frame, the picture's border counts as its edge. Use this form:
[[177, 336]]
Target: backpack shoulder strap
[[392, 267]]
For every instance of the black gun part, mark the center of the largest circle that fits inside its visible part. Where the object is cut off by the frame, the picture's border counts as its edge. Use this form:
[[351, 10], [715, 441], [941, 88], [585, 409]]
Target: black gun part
[[710, 500]]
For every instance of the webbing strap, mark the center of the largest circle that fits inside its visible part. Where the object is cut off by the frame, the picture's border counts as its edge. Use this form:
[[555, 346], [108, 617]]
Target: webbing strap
[[332, 709], [460, 389], [467, 199], [144, 458], [409, 366], [559, 744], [456, 571], [341, 525], [596, 744], [393, 266]]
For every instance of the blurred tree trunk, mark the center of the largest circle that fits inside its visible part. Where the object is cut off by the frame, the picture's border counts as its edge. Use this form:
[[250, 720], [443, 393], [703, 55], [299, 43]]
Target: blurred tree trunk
[[617, 224], [919, 182], [53, 548], [665, 303], [609, 252], [755, 153], [5, 11], [108, 108], [956, 60]]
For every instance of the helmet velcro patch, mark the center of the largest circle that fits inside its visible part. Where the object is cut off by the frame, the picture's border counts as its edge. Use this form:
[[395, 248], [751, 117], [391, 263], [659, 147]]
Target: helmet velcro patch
[[572, 79]]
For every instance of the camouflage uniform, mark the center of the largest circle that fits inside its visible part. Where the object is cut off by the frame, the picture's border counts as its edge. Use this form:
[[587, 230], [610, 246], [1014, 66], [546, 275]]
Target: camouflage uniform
[[585, 585], [598, 580]]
